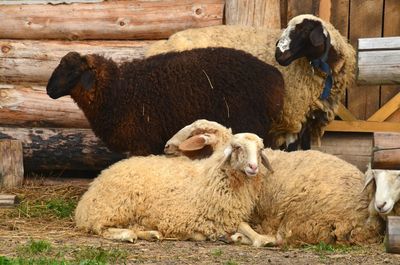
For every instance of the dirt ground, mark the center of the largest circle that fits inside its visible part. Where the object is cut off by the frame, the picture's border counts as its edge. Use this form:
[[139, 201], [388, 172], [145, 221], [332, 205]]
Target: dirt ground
[[32, 220]]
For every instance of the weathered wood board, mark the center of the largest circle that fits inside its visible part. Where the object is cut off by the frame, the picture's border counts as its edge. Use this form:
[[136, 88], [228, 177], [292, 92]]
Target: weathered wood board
[[386, 151], [11, 163], [138, 19], [61, 149], [365, 21], [253, 13], [378, 61], [355, 148], [30, 61]]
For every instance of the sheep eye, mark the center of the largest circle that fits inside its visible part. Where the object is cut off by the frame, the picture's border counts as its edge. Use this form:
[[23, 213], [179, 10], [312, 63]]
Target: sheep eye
[[236, 147]]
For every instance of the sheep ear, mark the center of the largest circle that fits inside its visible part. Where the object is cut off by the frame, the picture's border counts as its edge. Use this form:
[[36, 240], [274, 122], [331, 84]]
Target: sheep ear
[[266, 162], [317, 36], [87, 80], [369, 176], [195, 142]]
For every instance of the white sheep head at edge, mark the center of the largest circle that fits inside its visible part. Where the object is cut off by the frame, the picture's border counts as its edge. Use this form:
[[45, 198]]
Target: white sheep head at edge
[[387, 192]]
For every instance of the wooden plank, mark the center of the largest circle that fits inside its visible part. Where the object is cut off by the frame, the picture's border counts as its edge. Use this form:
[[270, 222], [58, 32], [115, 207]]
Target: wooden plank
[[345, 114], [355, 148], [365, 21], [296, 8], [378, 67], [8, 200], [392, 235], [391, 27], [29, 61], [30, 106], [253, 13], [11, 163], [340, 15], [138, 19], [61, 149], [362, 126], [388, 109], [386, 152], [325, 9], [388, 43]]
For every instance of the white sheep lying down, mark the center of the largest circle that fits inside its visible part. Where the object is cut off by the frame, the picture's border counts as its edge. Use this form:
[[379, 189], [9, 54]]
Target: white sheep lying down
[[310, 197], [156, 196]]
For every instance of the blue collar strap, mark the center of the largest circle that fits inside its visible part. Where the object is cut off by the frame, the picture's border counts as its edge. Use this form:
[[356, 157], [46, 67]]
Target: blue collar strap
[[323, 66]]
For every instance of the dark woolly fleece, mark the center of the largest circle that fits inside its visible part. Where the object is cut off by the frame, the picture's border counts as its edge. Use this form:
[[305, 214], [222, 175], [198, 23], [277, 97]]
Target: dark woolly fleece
[[139, 105]]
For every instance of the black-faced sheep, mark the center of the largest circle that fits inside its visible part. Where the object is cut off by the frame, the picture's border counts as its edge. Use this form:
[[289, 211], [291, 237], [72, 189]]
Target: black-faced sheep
[[139, 105], [310, 197], [155, 196], [304, 114]]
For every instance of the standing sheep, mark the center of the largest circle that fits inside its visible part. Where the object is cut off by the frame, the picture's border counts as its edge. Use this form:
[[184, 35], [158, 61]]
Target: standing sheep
[[153, 197], [139, 105], [304, 114], [310, 197]]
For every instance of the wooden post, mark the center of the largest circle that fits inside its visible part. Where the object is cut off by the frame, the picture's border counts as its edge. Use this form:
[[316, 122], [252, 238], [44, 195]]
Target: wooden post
[[253, 13], [8, 200], [11, 163], [392, 237]]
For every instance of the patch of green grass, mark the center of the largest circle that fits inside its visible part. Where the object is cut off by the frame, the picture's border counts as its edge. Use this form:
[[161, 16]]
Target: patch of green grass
[[42, 252], [231, 262], [328, 248], [32, 261], [34, 247], [216, 252], [61, 208], [58, 208], [98, 255]]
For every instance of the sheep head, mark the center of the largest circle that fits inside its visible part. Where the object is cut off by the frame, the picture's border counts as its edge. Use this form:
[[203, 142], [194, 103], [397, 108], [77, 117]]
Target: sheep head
[[305, 36], [387, 191], [245, 152], [72, 70], [195, 139]]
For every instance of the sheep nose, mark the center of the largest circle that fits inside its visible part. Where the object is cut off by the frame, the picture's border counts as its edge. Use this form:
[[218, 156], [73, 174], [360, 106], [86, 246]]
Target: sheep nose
[[381, 205], [253, 166]]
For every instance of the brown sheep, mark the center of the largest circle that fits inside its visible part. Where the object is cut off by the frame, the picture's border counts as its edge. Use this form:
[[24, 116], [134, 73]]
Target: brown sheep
[[137, 106]]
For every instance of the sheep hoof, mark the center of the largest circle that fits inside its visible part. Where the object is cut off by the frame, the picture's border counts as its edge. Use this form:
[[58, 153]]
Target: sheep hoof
[[264, 241], [150, 235], [155, 235], [125, 235]]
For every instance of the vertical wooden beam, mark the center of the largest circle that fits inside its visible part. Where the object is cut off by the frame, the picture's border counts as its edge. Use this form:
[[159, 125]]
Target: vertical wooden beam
[[392, 237], [324, 9], [253, 13], [11, 163], [296, 8], [391, 27], [365, 21]]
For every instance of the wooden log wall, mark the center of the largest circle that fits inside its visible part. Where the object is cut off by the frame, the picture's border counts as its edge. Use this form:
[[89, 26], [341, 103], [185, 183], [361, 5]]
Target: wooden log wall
[[34, 37]]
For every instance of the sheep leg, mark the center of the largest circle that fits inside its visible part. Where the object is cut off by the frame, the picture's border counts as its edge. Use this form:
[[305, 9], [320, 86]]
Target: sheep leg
[[120, 234], [149, 235], [241, 239], [256, 239]]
